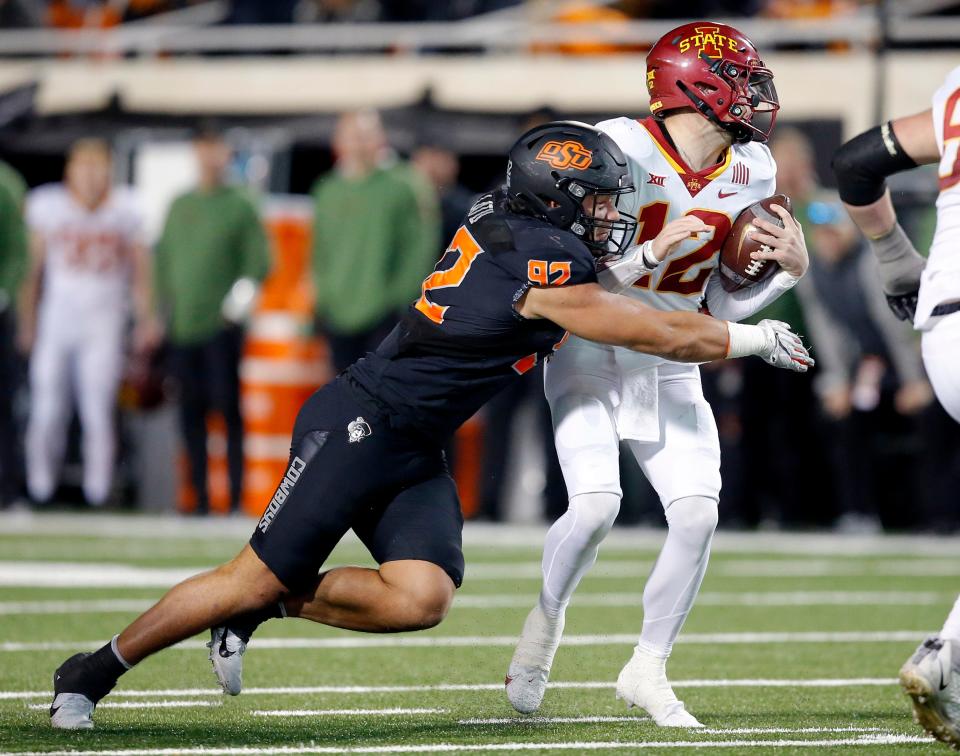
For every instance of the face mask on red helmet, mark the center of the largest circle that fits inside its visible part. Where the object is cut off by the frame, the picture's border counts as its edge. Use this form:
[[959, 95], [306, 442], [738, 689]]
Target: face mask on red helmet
[[717, 71]]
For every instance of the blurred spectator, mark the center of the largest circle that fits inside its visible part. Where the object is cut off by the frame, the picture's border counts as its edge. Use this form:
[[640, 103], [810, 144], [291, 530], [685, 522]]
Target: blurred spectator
[[78, 14], [13, 266], [210, 258], [88, 258], [779, 438], [441, 167], [338, 11], [19, 14], [809, 8], [869, 368], [431, 10], [375, 238], [262, 12], [692, 9]]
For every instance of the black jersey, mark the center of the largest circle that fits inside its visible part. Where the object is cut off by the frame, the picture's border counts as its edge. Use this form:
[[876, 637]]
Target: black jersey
[[463, 340]]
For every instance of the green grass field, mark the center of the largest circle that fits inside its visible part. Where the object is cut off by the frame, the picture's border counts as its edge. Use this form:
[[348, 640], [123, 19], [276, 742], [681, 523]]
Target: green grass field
[[794, 645]]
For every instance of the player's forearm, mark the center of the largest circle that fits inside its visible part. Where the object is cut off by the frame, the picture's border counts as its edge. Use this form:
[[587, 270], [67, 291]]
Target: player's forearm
[[876, 219], [682, 337]]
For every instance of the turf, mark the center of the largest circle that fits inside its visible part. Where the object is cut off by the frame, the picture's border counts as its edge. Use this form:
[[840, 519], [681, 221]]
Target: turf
[[761, 584]]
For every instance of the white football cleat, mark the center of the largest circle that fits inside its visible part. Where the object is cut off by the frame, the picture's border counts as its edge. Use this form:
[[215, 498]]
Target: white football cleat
[[643, 683], [931, 677], [526, 679], [226, 656], [72, 711]]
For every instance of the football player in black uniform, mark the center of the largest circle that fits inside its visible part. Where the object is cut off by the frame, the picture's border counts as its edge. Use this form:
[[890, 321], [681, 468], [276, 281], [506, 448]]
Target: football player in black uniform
[[367, 449]]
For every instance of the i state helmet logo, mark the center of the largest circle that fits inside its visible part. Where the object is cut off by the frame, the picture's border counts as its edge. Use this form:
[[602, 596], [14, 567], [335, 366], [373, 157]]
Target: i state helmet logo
[[358, 429], [709, 41], [568, 154]]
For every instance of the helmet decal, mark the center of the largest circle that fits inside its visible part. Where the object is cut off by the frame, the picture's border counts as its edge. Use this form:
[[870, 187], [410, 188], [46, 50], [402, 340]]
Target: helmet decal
[[708, 41], [568, 154]]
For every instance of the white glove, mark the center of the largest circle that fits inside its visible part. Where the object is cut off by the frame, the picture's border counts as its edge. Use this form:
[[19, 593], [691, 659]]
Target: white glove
[[617, 273], [771, 340]]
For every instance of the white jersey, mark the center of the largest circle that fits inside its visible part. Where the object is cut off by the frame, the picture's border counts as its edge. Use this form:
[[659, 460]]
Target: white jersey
[[666, 190], [87, 253], [941, 276]]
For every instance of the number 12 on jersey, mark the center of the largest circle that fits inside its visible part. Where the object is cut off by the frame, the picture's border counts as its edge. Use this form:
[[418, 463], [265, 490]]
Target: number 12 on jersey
[[674, 279]]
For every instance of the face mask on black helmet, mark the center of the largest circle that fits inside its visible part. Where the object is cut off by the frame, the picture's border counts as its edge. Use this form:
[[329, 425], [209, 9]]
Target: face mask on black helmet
[[567, 173]]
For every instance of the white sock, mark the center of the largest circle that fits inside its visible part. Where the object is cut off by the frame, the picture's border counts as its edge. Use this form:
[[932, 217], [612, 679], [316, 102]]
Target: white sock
[[951, 628], [571, 547], [675, 579]]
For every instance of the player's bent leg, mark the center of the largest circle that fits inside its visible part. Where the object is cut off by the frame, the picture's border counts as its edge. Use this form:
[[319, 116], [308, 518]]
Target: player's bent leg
[[931, 677], [667, 599], [401, 596], [242, 585], [581, 404], [570, 550]]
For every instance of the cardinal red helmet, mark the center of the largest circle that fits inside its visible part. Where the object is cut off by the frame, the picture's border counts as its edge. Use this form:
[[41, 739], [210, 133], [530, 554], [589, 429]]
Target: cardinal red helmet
[[716, 70]]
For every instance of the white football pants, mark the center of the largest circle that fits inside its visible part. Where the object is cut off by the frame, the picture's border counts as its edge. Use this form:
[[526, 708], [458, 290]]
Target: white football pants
[[941, 358], [683, 467], [81, 360]]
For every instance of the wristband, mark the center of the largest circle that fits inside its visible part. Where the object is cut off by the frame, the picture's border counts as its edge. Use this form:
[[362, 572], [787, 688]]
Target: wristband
[[744, 340]]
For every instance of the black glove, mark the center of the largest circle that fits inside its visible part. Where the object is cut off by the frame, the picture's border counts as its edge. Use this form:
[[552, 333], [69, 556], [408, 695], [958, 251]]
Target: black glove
[[904, 306]]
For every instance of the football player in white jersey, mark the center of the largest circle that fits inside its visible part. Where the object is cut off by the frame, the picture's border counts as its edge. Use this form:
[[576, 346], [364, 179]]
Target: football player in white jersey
[[88, 260], [696, 163], [926, 291]]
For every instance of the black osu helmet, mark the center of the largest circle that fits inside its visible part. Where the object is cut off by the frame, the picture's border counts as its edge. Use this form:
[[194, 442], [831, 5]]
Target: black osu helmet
[[555, 168]]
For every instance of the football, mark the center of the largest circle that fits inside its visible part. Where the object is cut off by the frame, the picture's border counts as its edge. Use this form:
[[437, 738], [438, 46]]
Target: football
[[737, 269]]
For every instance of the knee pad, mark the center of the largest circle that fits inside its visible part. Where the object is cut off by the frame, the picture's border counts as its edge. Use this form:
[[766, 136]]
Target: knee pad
[[694, 518], [595, 514]]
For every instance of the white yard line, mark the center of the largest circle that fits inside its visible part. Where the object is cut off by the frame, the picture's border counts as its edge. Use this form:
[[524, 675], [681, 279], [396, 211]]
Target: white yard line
[[233, 531], [584, 599], [475, 641], [95, 606], [524, 721], [343, 712], [829, 682], [47, 574], [731, 598], [868, 740], [143, 704]]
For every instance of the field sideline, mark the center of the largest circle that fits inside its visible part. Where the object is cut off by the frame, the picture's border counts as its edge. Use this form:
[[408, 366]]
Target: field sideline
[[793, 647]]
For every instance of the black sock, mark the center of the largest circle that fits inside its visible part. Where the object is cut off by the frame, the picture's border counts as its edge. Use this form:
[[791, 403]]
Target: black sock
[[243, 625], [100, 672]]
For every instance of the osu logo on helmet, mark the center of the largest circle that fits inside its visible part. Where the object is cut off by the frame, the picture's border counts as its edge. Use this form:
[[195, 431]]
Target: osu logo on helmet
[[568, 154]]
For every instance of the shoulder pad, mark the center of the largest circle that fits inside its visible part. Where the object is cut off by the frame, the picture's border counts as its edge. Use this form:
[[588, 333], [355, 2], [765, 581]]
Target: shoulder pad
[[630, 136], [548, 256]]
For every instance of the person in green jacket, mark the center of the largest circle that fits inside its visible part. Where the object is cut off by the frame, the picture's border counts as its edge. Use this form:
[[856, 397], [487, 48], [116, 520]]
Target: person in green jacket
[[375, 236], [210, 259], [13, 266]]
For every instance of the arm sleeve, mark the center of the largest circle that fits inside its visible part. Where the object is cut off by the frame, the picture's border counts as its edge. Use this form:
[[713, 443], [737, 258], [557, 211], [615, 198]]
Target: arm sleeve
[[897, 336], [417, 226], [254, 250], [828, 339], [741, 304]]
